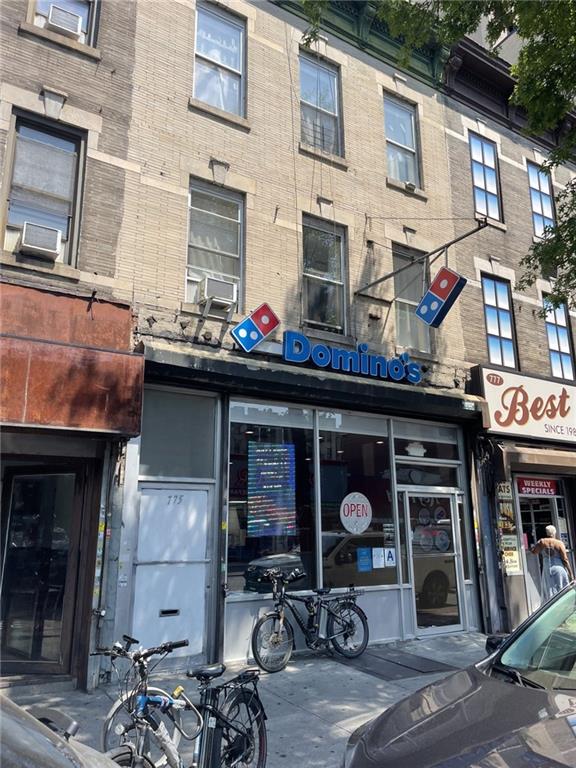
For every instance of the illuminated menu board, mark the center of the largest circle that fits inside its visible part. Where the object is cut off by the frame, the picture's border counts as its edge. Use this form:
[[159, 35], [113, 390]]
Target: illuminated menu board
[[271, 489]]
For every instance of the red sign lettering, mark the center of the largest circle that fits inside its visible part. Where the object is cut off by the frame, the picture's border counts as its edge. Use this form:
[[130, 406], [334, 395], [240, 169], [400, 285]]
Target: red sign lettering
[[517, 407], [537, 486]]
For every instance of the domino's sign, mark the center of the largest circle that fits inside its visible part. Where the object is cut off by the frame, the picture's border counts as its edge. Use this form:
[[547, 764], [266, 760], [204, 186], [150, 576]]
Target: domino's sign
[[254, 328], [299, 349], [440, 297]]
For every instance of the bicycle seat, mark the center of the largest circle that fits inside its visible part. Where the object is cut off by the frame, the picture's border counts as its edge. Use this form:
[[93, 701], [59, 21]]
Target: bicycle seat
[[323, 591], [206, 671]]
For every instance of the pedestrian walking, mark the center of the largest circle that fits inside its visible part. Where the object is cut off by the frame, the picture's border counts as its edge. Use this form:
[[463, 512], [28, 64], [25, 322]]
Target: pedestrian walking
[[556, 569]]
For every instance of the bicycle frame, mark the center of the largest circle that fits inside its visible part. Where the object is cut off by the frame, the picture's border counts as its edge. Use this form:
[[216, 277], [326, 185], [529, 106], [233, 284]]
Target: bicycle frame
[[322, 605], [207, 746]]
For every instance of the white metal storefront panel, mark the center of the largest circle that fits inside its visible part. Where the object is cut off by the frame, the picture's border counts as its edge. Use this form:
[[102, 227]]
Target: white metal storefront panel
[[171, 566]]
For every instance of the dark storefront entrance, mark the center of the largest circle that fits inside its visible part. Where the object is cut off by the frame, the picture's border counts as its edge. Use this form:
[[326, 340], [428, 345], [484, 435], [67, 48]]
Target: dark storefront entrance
[[42, 527], [71, 393]]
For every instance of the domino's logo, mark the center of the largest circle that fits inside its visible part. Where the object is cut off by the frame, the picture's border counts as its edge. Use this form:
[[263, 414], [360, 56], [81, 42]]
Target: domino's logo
[[254, 328], [440, 297]]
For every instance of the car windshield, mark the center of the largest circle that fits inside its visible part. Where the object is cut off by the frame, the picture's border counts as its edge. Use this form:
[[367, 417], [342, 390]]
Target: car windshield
[[545, 653]]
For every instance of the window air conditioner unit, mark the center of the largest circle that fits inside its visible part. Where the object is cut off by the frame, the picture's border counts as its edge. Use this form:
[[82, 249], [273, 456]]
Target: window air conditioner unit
[[40, 241], [65, 22], [221, 293]]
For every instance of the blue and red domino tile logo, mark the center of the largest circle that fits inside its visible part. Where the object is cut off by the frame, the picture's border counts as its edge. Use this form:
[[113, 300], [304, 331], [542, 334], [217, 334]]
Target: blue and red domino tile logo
[[440, 297], [254, 328]]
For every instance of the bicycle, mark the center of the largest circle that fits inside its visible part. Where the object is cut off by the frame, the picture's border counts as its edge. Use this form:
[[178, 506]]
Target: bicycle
[[335, 621], [144, 726]]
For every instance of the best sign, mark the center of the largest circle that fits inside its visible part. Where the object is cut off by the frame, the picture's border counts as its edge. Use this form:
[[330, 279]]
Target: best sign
[[529, 407]]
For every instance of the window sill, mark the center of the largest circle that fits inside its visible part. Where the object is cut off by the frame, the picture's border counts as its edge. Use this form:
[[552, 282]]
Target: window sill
[[401, 186], [219, 114], [416, 354], [314, 333], [26, 28], [327, 157], [31, 264], [494, 223]]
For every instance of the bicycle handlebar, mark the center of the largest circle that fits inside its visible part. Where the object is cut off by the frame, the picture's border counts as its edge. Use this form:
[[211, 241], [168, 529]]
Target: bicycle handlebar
[[118, 651], [159, 649]]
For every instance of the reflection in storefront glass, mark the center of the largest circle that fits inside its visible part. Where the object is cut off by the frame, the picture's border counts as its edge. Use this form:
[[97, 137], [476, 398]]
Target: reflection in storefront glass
[[403, 544], [357, 464], [433, 561], [426, 474], [425, 450], [271, 510], [463, 539]]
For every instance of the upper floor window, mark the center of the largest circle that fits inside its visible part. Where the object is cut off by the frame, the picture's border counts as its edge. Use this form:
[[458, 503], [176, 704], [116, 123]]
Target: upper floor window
[[559, 343], [499, 322], [401, 141], [540, 199], [319, 105], [485, 177], [73, 18], [43, 192], [219, 63], [216, 237], [410, 282], [324, 276]]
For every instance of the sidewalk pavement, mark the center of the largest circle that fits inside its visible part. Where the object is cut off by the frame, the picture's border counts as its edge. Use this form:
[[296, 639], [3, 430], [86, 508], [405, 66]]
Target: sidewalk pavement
[[314, 704]]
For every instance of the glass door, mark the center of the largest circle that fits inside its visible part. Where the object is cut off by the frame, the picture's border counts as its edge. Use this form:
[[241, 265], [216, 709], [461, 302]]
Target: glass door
[[535, 514], [434, 549], [39, 564]]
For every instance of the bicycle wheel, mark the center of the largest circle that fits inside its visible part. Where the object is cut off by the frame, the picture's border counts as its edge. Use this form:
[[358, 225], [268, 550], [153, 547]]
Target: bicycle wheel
[[126, 757], [348, 629], [272, 643], [243, 743], [119, 729]]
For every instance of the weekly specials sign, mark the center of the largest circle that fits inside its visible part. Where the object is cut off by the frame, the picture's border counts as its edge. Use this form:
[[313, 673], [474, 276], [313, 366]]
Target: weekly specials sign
[[529, 407]]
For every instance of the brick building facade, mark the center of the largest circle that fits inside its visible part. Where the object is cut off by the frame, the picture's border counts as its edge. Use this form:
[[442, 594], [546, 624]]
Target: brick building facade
[[219, 165]]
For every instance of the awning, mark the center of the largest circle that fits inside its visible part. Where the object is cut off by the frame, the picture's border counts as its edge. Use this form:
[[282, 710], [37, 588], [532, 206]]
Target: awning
[[275, 380], [540, 459]]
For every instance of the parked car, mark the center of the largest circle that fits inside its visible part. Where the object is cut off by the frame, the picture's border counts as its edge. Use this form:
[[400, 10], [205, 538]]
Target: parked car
[[434, 578], [515, 708], [25, 742]]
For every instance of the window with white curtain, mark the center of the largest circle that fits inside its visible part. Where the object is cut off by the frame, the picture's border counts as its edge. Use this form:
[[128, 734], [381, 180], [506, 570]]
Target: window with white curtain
[[219, 60], [215, 236], [319, 105], [401, 141], [44, 179]]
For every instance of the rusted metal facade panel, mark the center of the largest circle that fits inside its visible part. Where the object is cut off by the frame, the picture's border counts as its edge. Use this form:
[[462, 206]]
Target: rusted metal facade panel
[[66, 362], [37, 314], [44, 384]]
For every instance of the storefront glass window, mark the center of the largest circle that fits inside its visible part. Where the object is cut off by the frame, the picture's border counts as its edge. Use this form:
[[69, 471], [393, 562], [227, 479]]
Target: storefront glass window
[[426, 450], [426, 474], [425, 441], [271, 512], [357, 464]]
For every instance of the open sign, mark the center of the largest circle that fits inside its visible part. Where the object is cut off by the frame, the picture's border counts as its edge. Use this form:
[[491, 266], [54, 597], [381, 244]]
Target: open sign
[[355, 513]]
